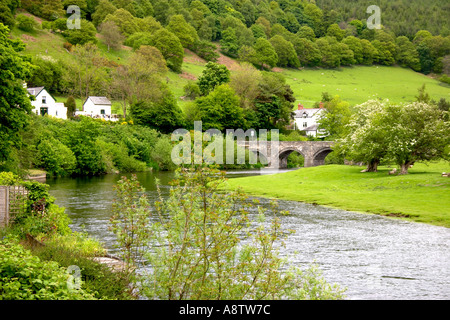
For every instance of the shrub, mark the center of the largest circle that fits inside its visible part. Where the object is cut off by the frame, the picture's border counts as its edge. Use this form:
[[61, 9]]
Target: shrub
[[203, 243], [56, 158], [25, 277], [96, 277], [191, 90], [26, 23]]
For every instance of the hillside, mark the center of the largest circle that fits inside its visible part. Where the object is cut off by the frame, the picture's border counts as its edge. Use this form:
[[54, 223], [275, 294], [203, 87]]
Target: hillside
[[355, 84]]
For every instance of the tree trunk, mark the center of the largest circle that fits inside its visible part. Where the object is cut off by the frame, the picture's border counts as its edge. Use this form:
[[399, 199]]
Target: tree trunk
[[372, 166], [404, 167]]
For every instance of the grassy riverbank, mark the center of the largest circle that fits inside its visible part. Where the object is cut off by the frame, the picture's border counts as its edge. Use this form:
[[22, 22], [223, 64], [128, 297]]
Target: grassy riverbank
[[422, 196]]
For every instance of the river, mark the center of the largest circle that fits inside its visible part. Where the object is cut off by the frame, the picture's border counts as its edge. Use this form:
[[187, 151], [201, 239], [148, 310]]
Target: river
[[376, 258]]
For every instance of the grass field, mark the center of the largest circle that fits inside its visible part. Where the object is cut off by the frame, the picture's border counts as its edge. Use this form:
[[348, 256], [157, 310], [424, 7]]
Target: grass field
[[361, 83], [422, 196]]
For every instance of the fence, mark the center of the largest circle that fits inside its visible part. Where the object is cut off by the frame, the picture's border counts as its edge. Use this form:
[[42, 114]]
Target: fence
[[12, 201]]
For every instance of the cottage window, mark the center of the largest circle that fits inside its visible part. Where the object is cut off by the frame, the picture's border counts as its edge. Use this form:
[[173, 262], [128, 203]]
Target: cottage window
[[44, 99], [305, 115], [305, 124], [102, 111]]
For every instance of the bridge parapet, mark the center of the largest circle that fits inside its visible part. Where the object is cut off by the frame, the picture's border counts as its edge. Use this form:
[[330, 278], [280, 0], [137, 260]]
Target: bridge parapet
[[314, 152]]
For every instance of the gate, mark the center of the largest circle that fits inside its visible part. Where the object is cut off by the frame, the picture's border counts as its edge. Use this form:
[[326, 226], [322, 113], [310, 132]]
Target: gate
[[12, 201]]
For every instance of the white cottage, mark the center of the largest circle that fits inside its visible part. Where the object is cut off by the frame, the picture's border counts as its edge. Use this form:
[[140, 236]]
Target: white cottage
[[98, 107], [44, 103], [307, 120]]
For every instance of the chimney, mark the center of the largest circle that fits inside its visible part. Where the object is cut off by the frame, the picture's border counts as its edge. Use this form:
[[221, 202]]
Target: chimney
[[300, 106], [321, 105]]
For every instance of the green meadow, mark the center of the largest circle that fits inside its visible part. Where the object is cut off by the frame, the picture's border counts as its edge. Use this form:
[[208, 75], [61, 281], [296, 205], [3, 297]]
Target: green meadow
[[421, 196], [362, 83]]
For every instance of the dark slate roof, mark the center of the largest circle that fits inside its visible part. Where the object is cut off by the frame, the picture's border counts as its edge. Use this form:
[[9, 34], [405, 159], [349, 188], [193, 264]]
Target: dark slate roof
[[35, 91], [310, 112], [311, 128], [100, 100]]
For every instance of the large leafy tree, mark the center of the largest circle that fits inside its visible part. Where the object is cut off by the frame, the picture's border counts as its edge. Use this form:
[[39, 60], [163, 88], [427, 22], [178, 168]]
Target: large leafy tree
[[14, 100], [170, 47], [418, 132], [265, 54], [162, 114], [183, 30], [214, 75], [220, 109], [287, 56]]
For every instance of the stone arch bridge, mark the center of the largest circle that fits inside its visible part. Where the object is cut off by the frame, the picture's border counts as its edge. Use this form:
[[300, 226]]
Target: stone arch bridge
[[277, 152]]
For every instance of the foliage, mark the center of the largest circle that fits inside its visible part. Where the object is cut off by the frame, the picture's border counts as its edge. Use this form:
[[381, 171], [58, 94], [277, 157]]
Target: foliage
[[265, 54], [86, 33], [163, 114], [26, 23], [402, 133], [14, 102], [55, 158], [26, 277], [220, 109], [111, 35], [335, 117], [170, 47], [207, 245], [212, 76], [99, 279]]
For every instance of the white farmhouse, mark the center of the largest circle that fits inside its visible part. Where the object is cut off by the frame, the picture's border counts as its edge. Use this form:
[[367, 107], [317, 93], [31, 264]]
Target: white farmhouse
[[307, 120], [44, 103], [97, 107]]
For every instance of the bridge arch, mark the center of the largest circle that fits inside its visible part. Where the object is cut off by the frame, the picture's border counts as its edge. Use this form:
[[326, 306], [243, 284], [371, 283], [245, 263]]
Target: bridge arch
[[320, 155], [284, 154]]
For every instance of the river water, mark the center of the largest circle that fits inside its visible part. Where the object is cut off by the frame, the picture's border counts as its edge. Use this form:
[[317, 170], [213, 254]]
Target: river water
[[375, 258]]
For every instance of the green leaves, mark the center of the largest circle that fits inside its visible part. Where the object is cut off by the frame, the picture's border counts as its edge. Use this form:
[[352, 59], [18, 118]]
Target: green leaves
[[203, 243]]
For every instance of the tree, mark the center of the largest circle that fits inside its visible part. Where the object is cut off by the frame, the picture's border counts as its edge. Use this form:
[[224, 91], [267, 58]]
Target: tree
[[162, 114], [307, 51], [71, 106], [245, 82], [140, 79], [206, 50], [183, 30], [111, 34], [265, 54], [287, 56], [103, 9], [220, 109], [229, 43], [212, 76], [407, 55], [87, 33], [366, 139], [306, 32], [335, 31], [14, 103], [170, 47], [418, 132], [335, 117]]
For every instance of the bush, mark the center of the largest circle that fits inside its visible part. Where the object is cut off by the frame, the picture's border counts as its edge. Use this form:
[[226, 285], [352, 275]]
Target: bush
[[203, 243], [56, 158], [26, 23], [25, 277], [191, 90], [445, 79], [8, 179], [96, 277]]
